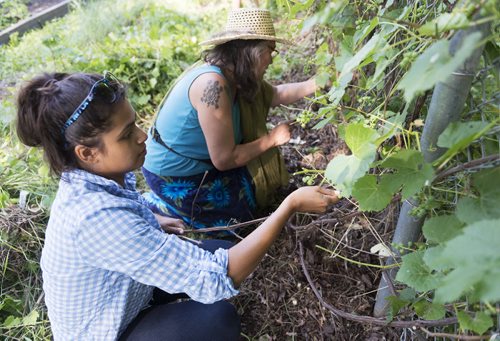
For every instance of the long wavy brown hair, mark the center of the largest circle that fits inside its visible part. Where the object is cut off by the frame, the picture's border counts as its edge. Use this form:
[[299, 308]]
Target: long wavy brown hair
[[239, 57]]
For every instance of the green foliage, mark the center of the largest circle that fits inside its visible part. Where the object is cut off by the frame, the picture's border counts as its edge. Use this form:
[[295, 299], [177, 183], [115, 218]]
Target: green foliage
[[474, 261], [12, 11], [344, 170], [415, 273], [434, 65], [428, 310], [384, 57], [480, 323], [442, 228]]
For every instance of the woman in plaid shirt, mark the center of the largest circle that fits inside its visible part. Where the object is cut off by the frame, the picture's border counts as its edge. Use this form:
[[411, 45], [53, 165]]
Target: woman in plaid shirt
[[110, 270]]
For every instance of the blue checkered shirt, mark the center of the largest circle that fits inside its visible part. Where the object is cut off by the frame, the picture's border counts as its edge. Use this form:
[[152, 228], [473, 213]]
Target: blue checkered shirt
[[104, 253]]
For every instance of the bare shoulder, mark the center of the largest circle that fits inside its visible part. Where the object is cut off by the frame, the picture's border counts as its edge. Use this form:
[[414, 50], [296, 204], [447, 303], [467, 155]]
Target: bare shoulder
[[209, 90]]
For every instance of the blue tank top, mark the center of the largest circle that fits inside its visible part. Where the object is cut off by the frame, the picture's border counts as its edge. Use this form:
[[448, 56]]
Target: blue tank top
[[179, 127]]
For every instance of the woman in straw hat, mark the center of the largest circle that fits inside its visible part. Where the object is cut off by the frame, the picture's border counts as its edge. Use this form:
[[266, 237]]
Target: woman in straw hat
[[210, 158]]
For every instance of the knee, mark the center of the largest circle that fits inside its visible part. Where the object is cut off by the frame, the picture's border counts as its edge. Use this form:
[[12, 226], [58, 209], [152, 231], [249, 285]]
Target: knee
[[227, 322]]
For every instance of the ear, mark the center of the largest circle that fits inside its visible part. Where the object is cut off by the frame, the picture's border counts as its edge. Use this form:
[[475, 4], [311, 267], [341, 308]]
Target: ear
[[88, 155]]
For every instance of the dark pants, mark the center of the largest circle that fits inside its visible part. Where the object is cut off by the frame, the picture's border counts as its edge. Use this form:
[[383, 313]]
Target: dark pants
[[186, 320]]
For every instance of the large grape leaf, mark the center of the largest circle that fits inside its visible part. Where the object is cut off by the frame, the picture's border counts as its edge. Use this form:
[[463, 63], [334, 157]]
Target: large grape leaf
[[416, 274], [361, 140], [411, 172], [475, 259], [442, 228], [435, 65], [345, 170], [370, 196]]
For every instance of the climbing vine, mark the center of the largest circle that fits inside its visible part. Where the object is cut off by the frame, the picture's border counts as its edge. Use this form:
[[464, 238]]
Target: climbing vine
[[385, 60]]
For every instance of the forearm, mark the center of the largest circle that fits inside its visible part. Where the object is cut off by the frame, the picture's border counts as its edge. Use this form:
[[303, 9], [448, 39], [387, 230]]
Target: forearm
[[241, 154], [292, 92], [246, 255]]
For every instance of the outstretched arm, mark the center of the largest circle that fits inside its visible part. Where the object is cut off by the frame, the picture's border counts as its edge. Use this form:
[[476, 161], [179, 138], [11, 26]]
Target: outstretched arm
[[246, 255], [211, 97], [292, 92]]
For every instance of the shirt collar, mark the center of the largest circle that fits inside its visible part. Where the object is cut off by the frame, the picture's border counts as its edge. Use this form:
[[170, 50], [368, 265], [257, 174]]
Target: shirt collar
[[80, 175]]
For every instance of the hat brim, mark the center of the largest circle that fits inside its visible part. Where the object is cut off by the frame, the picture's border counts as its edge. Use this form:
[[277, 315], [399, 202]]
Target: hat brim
[[244, 36]]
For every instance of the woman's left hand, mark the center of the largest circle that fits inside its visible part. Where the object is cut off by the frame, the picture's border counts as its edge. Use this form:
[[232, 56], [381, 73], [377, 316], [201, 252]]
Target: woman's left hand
[[171, 225]]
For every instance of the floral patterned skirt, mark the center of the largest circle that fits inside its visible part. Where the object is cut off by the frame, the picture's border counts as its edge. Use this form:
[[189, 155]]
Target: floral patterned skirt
[[203, 200]]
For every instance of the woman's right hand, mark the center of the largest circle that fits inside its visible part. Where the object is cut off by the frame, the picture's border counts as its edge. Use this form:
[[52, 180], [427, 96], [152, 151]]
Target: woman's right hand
[[312, 199], [280, 134]]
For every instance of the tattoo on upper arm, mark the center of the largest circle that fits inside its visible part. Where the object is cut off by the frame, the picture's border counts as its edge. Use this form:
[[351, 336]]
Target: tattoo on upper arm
[[211, 94]]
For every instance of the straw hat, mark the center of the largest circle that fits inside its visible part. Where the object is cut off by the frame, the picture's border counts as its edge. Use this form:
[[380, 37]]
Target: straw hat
[[246, 24]]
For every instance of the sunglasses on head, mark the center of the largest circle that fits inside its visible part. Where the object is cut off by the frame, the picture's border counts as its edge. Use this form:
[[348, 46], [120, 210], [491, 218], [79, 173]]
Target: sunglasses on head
[[105, 89]]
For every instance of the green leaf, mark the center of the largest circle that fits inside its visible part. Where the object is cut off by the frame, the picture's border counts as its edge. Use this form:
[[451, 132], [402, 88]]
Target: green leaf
[[458, 135], [408, 294], [445, 22], [479, 324], [412, 172], [487, 290], [487, 183], [395, 305], [416, 274], [31, 318], [442, 228], [428, 310], [435, 65], [469, 210], [370, 195], [376, 42], [457, 282], [360, 140], [336, 92], [12, 321], [432, 258], [345, 170], [474, 258], [360, 35]]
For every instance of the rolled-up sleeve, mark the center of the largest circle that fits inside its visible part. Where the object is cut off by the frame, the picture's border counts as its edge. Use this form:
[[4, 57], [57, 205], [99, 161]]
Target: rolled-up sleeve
[[118, 239]]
